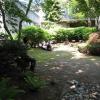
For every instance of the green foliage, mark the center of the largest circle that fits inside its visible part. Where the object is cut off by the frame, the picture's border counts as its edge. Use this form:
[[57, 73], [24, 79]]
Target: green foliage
[[8, 92], [72, 6], [94, 49], [91, 48], [9, 52], [52, 10], [80, 33], [12, 47], [13, 10], [35, 34], [87, 8], [33, 82], [62, 35]]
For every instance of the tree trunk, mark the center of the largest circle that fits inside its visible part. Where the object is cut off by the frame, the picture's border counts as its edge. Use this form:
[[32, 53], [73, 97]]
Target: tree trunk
[[89, 22], [97, 23], [21, 21], [4, 22]]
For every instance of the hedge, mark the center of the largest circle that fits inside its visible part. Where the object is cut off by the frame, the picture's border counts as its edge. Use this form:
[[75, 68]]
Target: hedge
[[79, 33]]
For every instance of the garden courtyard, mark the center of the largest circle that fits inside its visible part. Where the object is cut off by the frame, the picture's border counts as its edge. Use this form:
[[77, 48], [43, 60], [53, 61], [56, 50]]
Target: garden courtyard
[[49, 49]]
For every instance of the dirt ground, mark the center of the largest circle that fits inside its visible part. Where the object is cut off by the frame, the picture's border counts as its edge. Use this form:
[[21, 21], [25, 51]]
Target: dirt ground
[[58, 72]]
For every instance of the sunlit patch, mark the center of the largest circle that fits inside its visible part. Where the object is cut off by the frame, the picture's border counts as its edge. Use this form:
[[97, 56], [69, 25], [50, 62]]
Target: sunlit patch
[[79, 71], [56, 68], [77, 55], [73, 87], [45, 65], [52, 58], [97, 64], [93, 59], [57, 55]]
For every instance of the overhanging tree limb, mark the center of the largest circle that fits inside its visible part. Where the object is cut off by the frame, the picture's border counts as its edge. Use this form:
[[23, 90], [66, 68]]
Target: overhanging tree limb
[[4, 21], [21, 21]]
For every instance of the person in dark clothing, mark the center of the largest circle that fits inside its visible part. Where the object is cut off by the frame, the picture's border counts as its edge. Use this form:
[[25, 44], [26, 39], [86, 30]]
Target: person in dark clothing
[[49, 47]]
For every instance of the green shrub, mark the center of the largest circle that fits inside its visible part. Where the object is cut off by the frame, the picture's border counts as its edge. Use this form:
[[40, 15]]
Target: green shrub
[[8, 92], [61, 35], [13, 47], [35, 34], [34, 83], [87, 31], [9, 52], [80, 33], [94, 49]]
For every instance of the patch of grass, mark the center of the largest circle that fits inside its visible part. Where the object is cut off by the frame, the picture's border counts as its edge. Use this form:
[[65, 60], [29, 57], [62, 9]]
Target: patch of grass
[[44, 56]]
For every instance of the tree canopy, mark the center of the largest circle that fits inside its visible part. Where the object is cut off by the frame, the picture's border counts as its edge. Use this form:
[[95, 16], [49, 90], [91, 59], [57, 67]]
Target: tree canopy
[[52, 10]]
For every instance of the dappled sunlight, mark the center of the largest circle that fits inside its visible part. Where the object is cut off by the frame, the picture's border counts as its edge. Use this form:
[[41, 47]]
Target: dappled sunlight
[[57, 55], [72, 50], [52, 58], [55, 68], [93, 59], [46, 65], [98, 64], [79, 71], [78, 55], [65, 48]]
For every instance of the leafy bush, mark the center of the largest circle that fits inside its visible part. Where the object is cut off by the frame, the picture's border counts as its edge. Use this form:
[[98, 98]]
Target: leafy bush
[[93, 44], [61, 35], [33, 82], [13, 47], [9, 52], [94, 49], [35, 34], [80, 33], [8, 92]]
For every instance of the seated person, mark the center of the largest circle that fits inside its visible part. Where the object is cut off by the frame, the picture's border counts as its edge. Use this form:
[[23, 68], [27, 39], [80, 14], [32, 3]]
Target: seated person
[[49, 47]]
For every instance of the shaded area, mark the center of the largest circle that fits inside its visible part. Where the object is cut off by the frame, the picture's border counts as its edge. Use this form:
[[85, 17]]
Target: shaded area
[[62, 65]]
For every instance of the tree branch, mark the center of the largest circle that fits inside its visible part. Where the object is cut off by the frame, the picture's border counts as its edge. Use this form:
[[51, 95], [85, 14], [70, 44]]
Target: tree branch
[[4, 22], [21, 21]]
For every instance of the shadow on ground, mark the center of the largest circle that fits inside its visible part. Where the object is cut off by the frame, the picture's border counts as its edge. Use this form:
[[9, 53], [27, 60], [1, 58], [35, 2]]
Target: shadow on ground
[[66, 64]]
